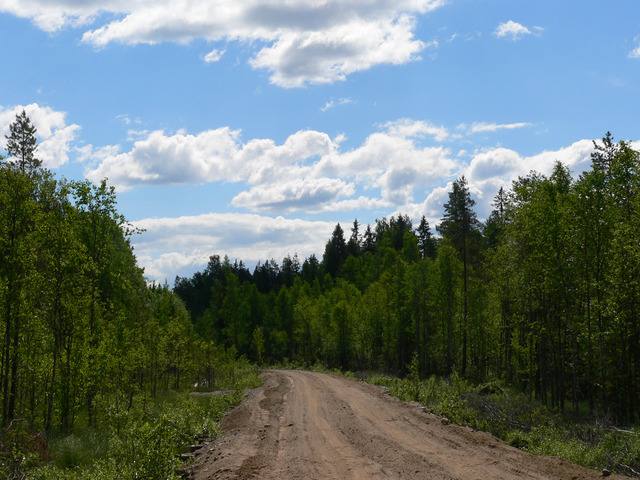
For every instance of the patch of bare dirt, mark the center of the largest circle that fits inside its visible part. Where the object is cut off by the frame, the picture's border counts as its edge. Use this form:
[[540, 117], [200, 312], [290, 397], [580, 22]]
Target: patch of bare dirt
[[308, 425]]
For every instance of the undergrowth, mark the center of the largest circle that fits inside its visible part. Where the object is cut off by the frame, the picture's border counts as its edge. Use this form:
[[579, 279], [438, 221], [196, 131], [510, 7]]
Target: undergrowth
[[146, 445], [143, 442]]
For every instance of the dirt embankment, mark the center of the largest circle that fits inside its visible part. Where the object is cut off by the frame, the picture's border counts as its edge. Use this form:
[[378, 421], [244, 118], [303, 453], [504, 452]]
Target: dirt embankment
[[307, 425]]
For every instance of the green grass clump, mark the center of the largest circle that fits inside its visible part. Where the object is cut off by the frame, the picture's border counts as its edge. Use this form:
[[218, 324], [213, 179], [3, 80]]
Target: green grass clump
[[238, 374], [592, 445]]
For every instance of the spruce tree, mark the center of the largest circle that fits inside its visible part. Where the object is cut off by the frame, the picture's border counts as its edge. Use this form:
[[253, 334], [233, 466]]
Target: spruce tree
[[353, 245], [426, 242], [458, 227], [369, 241], [335, 252], [495, 224]]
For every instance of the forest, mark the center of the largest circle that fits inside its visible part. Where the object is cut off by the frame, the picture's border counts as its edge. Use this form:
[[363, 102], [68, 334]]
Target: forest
[[543, 295], [85, 339]]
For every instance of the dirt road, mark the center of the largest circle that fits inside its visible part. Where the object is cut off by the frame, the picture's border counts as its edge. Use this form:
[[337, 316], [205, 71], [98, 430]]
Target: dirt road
[[306, 425]]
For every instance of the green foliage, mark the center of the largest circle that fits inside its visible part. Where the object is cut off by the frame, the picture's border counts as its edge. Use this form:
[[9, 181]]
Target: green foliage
[[21, 449], [591, 445], [146, 443]]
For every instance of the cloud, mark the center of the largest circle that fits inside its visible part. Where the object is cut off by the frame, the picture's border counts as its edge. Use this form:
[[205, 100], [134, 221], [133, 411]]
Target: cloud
[[481, 127], [515, 31], [55, 137], [408, 128], [358, 204], [213, 56], [635, 53], [308, 172], [176, 159], [328, 106], [184, 244], [53, 15], [333, 103], [127, 120], [298, 41], [299, 194], [327, 56]]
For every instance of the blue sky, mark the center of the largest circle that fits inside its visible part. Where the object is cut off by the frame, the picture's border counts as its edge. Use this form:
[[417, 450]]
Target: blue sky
[[250, 128]]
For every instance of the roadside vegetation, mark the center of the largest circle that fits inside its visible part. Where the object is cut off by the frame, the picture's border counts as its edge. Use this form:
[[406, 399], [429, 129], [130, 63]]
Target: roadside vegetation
[[589, 440], [144, 441]]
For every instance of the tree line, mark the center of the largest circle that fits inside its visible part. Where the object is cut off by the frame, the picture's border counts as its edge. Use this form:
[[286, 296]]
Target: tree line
[[82, 334], [544, 294]]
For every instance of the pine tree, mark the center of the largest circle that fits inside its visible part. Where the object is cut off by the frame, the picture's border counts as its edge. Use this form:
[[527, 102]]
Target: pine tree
[[22, 145], [603, 156]]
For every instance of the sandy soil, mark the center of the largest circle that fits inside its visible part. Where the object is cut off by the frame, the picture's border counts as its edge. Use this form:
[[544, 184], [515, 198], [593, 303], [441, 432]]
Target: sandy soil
[[306, 425]]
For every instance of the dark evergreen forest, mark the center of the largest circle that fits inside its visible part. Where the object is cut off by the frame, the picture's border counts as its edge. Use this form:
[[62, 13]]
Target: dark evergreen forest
[[544, 295]]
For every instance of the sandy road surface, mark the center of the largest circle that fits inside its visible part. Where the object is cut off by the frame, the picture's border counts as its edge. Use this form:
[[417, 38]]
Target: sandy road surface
[[306, 425]]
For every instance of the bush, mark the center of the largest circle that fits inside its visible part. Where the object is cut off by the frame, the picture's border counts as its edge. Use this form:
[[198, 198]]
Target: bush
[[146, 445], [21, 449]]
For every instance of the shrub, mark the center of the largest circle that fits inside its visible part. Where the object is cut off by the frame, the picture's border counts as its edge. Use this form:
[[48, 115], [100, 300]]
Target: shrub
[[146, 445]]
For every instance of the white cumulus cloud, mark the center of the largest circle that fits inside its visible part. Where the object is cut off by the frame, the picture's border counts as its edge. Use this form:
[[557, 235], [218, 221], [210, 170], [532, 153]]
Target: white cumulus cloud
[[184, 244], [297, 194], [499, 167], [298, 41], [515, 31], [482, 127], [297, 58], [308, 172]]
